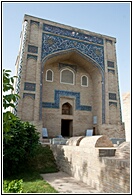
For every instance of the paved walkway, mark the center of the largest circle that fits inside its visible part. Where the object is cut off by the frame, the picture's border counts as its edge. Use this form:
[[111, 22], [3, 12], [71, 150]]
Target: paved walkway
[[64, 183]]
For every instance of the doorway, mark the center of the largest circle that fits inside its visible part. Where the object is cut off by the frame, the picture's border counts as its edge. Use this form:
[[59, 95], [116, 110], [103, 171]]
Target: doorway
[[66, 128]]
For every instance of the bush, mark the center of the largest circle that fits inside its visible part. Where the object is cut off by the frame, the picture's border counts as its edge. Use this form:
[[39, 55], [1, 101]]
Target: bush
[[15, 186], [43, 161], [21, 146], [20, 139]]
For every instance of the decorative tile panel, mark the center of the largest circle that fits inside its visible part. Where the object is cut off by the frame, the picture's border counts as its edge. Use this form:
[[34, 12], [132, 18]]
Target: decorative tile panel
[[110, 64], [111, 70], [53, 43], [64, 65], [59, 93], [31, 56], [32, 49], [72, 34], [29, 94], [20, 65], [29, 86], [112, 96], [108, 40], [34, 22], [113, 103]]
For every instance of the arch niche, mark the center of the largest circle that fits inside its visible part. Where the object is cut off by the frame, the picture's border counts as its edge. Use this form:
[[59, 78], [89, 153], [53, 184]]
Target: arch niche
[[92, 68], [66, 109]]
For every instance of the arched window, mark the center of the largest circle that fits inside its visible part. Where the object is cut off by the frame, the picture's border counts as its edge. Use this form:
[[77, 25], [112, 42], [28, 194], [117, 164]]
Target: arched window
[[84, 81], [66, 109], [49, 75], [67, 76]]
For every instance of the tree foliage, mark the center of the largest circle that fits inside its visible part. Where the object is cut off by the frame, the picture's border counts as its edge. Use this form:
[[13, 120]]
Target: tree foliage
[[8, 101]]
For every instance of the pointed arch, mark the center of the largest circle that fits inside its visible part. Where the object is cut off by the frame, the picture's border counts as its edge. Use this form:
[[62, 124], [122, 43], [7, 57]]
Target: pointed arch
[[77, 56], [67, 76], [66, 109], [49, 75], [84, 81], [73, 51]]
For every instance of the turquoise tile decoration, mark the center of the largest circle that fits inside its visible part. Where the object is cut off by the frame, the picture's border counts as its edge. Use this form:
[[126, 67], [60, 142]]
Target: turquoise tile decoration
[[53, 43], [72, 34], [59, 93]]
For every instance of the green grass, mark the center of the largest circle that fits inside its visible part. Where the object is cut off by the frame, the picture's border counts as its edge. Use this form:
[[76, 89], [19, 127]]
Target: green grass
[[32, 181]]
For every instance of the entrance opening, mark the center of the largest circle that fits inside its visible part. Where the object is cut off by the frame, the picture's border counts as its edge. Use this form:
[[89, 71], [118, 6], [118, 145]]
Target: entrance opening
[[94, 131], [66, 128]]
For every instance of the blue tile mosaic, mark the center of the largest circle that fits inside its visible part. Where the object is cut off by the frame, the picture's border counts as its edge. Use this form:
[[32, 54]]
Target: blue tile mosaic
[[112, 96], [113, 103], [32, 49], [59, 93], [29, 86], [110, 64], [58, 40], [53, 43], [29, 94], [108, 40], [111, 71], [72, 34], [31, 56], [17, 90], [34, 22]]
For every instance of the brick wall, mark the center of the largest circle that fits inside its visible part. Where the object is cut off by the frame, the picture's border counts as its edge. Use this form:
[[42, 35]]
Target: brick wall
[[95, 166], [96, 95], [112, 131], [82, 120], [127, 115]]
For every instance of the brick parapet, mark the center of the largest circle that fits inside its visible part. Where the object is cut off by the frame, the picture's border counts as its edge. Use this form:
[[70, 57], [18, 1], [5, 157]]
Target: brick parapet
[[106, 174]]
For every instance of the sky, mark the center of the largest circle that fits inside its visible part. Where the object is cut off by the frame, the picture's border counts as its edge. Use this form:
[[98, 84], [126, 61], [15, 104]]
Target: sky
[[112, 19]]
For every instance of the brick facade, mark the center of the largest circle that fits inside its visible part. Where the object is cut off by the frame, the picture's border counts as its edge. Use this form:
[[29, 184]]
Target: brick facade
[[127, 114], [49, 46]]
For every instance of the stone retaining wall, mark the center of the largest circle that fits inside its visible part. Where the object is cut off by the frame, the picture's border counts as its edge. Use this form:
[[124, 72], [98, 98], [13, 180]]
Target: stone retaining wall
[[95, 166]]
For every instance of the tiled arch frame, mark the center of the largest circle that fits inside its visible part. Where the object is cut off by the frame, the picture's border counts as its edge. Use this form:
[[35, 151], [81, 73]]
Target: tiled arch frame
[[49, 56]]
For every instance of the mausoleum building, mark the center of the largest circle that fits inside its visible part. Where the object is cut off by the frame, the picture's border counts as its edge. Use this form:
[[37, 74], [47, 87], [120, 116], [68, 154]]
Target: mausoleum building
[[67, 80]]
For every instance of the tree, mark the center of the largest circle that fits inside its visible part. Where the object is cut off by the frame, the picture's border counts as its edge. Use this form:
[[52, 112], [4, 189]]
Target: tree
[[8, 101]]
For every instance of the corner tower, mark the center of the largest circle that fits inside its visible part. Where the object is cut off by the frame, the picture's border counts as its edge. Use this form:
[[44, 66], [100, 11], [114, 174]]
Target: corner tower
[[67, 80]]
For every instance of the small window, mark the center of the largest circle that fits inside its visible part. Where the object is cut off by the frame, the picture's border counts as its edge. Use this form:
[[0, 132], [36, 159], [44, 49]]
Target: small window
[[49, 75], [67, 76], [84, 81]]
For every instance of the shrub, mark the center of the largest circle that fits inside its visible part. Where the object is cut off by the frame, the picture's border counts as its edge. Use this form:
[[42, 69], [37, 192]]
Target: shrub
[[15, 186], [43, 161], [20, 147], [20, 139]]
